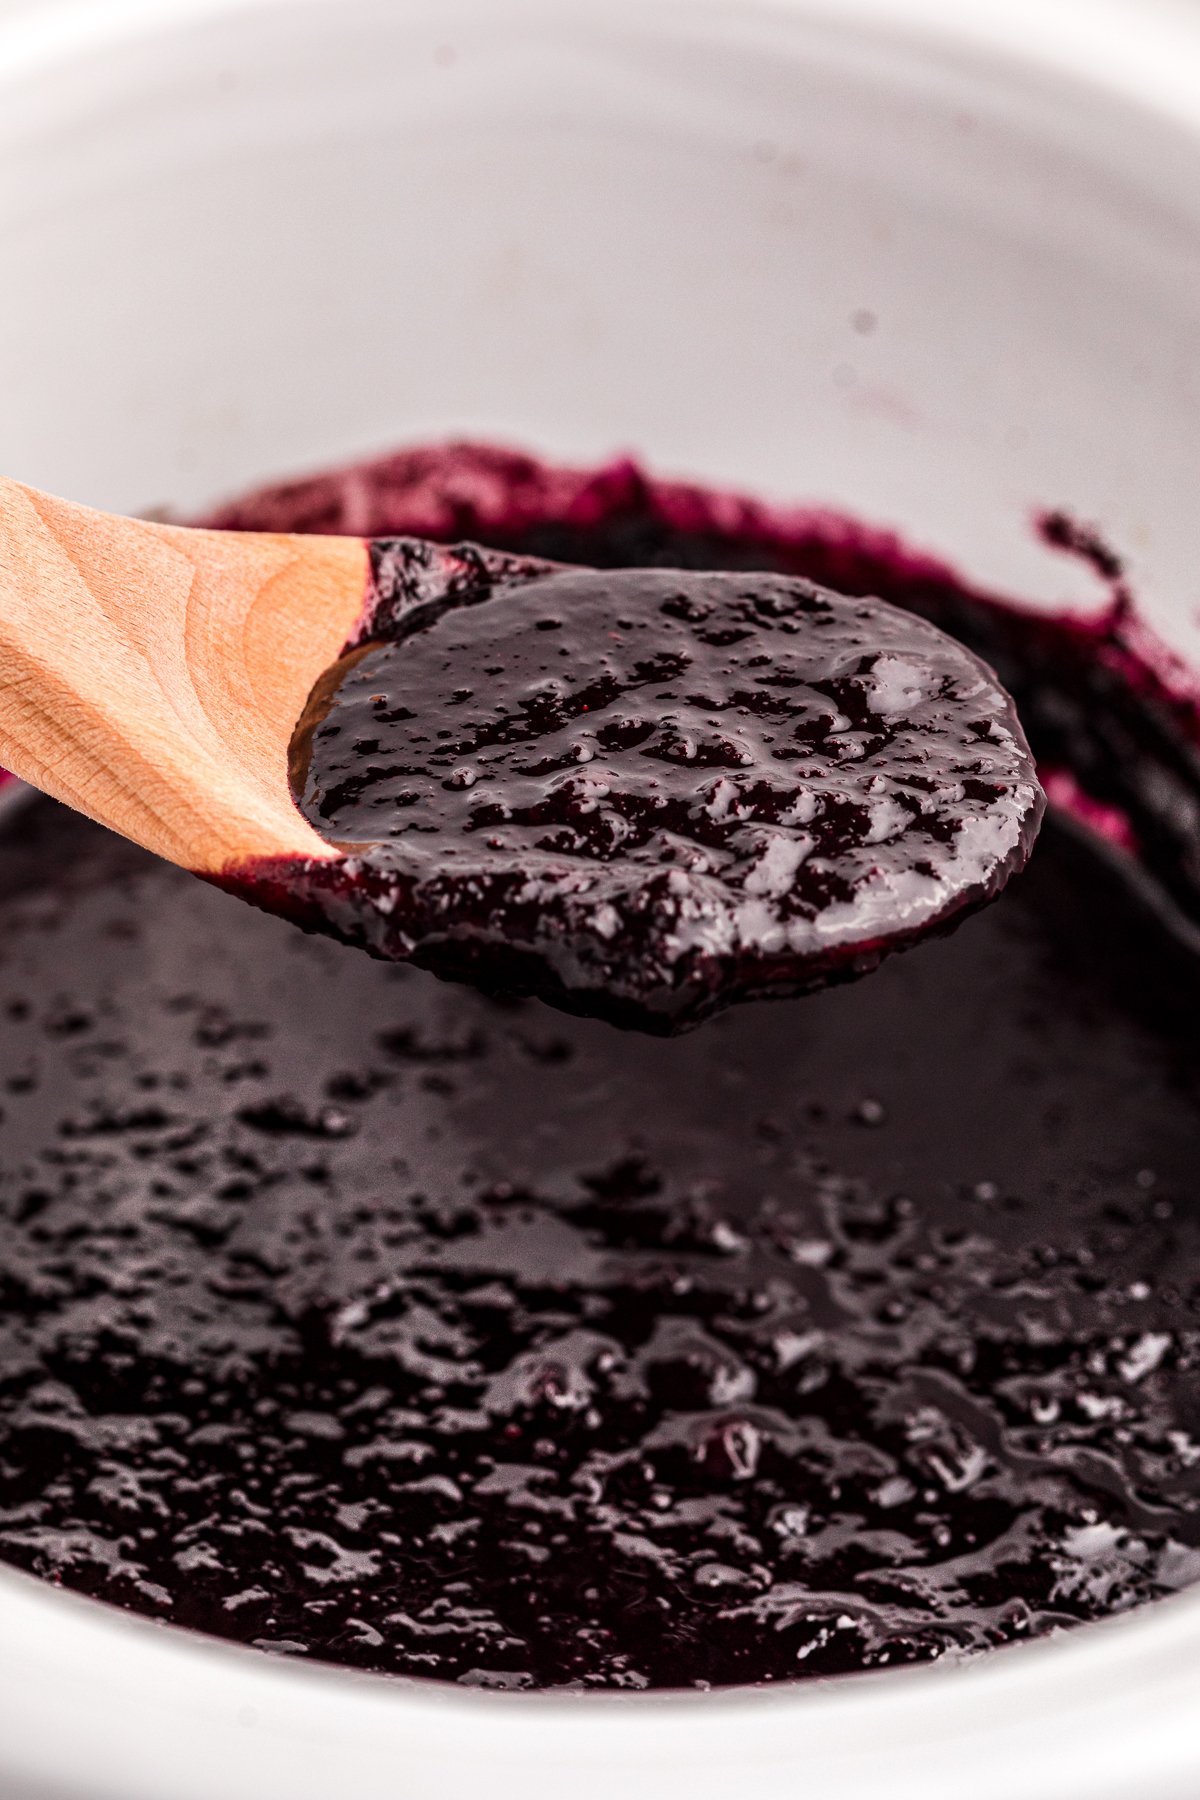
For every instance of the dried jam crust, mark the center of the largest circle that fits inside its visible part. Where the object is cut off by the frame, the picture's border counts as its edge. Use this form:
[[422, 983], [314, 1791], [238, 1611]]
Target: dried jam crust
[[644, 793], [356, 1316]]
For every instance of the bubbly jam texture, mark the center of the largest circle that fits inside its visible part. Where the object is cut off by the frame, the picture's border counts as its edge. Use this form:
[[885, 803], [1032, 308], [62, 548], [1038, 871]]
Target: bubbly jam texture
[[361, 1317], [642, 793]]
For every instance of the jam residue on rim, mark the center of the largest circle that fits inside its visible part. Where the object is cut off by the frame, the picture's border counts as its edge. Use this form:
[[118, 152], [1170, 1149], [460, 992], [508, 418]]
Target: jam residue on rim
[[363, 1318], [644, 793]]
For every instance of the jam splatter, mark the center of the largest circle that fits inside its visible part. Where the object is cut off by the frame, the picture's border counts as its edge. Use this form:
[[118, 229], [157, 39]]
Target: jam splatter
[[646, 793], [1062, 532]]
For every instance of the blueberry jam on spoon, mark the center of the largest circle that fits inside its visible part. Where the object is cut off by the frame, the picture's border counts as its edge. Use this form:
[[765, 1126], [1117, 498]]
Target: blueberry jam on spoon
[[646, 793], [691, 789]]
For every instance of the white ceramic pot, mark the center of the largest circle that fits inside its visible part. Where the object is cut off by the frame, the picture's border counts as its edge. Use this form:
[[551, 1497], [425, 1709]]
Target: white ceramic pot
[[238, 236]]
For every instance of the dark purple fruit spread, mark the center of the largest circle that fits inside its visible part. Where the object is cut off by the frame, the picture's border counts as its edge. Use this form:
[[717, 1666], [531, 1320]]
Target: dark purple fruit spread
[[641, 793], [365, 1318]]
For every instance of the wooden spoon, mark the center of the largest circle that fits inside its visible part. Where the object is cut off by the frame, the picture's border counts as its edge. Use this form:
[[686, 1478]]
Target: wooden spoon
[[151, 675], [158, 678]]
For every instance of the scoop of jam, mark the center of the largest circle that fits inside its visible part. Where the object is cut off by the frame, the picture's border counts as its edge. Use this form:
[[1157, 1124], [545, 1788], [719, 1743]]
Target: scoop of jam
[[648, 793]]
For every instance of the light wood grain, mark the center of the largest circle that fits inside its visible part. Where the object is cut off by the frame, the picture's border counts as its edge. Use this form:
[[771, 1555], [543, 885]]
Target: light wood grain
[[151, 675]]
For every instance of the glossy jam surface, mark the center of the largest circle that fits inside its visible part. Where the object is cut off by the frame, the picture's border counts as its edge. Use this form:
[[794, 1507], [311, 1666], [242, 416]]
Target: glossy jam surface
[[354, 1315], [646, 792], [350, 1314]]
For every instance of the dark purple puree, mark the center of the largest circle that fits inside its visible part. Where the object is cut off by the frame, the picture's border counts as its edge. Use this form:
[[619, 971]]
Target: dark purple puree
[[356, 1315], [642, 793]]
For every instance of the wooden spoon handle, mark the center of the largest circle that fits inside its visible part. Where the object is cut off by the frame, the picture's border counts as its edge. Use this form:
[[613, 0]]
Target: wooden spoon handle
[[151, 675]]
